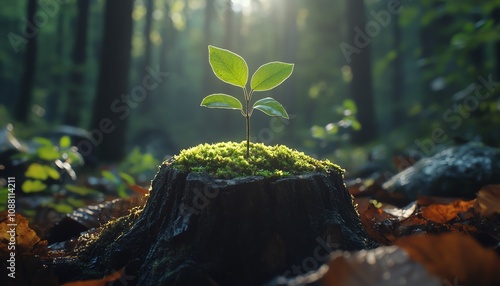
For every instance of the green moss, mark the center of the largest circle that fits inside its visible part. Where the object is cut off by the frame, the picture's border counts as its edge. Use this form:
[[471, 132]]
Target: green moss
[[227, 160]]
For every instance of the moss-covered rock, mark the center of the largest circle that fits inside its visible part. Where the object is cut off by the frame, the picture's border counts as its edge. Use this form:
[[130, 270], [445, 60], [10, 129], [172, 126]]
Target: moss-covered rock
[[228, 160]]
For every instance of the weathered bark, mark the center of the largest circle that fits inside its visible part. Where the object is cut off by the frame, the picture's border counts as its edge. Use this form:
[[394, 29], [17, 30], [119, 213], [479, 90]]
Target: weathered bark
[[244, 231]]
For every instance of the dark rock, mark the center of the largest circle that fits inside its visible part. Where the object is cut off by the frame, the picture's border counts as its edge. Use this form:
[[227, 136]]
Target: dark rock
[[196, 230], [458, 171], [93, 216]]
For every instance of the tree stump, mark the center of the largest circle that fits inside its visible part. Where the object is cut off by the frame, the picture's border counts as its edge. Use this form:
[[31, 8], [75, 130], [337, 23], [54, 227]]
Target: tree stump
[[197, 230]]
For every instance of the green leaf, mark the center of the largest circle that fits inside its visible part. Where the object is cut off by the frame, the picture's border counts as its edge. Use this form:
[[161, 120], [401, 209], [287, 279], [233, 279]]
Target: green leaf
[[65, 142], [48, 153], [82, 191], [36, 171], [33, 186], [349, 104], [318, 132], [228, 66], [51, 172], [220, 100], [43, 141], [109, 176], [356, 125], [270, 107], [122, 192], [270, 75], [77, 203], [127, 178], [60, 207]]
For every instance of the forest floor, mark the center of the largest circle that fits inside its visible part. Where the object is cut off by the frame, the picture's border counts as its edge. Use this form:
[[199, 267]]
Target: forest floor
[[429, 241]]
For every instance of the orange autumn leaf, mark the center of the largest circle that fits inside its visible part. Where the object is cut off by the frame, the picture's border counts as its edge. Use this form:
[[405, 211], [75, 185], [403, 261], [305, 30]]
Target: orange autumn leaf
[[454, 257], [369, 216], [98, 282], [428, 200], [444, 213]]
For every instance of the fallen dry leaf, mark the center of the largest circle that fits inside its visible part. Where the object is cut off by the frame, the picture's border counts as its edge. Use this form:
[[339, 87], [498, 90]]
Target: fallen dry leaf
[[370, 216], [388, 265], [444, 213], [427, 200], [455, 257], [488, 200], [401, 213], [15, 229]]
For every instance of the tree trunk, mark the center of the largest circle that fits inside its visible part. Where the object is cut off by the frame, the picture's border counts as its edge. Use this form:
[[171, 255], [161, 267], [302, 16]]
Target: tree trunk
[[196, 230], [148, 104], [496, 17], [168, 36], [290, 48], [54, 98], [113, 101], [207, 33], [76, 92], [434, 40], [28, 80], [361, 88], [399, 111]]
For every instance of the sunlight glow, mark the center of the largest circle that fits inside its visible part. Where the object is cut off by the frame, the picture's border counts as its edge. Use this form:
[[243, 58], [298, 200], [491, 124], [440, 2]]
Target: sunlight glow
[[241, 5], [246, 5]]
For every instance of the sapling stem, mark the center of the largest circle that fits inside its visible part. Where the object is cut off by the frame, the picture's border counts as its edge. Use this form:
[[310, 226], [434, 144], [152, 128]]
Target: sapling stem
[[248, 133], [247, 117]]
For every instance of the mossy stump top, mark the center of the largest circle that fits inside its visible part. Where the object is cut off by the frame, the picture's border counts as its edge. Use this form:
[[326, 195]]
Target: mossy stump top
[[227, 160]]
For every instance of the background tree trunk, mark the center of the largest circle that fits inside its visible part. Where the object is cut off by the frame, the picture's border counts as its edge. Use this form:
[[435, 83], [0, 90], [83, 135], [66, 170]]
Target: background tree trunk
[[496, 17], [76, 92], [113, 82], [54, 99], [207, 33], [361, 88], [28, 80], [399, 111], [147, 105]]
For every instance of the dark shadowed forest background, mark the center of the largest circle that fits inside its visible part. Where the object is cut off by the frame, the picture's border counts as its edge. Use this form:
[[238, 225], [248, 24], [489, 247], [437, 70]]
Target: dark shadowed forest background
[[371, 77]]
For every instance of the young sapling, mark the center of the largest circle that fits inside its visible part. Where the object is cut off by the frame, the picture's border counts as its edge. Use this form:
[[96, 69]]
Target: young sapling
[[232, 68]]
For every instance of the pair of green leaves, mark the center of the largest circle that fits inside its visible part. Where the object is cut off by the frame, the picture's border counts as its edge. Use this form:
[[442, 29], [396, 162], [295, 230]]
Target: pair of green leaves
[[232, 68]]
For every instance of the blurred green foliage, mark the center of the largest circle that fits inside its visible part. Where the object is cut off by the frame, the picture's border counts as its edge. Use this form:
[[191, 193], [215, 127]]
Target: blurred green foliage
[[47, 162], [138, 168]]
